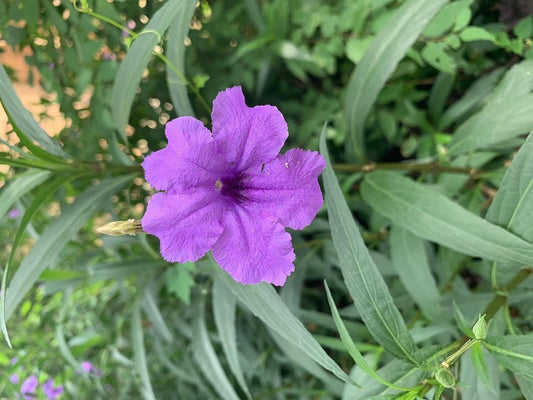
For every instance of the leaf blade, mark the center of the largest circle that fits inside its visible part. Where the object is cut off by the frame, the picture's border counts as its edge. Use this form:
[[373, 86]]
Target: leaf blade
[[361, 276], [388, 48], [432, 216]]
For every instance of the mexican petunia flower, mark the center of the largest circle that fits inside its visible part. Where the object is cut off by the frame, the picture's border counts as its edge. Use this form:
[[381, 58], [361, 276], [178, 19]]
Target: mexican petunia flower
[[231, 191]]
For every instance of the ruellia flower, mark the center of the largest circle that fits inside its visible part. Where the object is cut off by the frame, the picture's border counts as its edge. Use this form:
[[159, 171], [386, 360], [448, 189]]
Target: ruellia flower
[[231, 191]]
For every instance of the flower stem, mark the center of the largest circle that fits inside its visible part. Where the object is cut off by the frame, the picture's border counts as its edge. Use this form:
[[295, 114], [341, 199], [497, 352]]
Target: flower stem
[[497, 302], [434, 167]]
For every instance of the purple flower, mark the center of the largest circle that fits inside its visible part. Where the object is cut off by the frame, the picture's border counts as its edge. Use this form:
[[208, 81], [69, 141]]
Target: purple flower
[[231, 191], [14, 360], [14, 379], [87, 366], [29, 385], [50, 391], [13, 213], [131, 26]]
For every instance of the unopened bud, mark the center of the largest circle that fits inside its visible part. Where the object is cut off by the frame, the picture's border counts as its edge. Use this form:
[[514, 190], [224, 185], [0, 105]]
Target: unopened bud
[[445, 377], [480, 328], [119, 228]]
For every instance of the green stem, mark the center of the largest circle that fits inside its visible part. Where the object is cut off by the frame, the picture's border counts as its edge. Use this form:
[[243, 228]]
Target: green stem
[[498, 301], [434, 167]]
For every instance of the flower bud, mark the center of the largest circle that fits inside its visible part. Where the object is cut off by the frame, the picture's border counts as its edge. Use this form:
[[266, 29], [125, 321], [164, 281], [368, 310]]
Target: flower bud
[[480, 328], [445, 377], [119, 228]]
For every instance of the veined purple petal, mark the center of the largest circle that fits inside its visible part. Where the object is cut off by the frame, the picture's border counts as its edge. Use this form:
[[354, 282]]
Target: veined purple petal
[[249, 136], [186, 225], [190, 160], [254, 248], [288, 188]]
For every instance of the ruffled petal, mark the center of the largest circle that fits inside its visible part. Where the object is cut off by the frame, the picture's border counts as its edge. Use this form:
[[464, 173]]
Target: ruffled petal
[[186, 225], [254, 248], [190, 160], [249, 136], [288, 188]]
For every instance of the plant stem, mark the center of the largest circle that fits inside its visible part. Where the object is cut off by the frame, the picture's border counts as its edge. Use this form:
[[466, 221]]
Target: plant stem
[[498, 301], [434, 167]]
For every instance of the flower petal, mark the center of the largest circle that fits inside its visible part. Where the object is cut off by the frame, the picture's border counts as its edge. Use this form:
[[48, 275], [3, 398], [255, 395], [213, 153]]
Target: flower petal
[[191, 158], [288, 188], [254, 248], [249, 136], [186, 225]]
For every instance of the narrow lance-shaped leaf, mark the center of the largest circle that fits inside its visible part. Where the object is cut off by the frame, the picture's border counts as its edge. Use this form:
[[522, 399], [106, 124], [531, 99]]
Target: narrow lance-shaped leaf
[[139, 353], [507, 114], [379, 62], [432, 216], [56, 236], [177, 33], [473, 383], [207, 358], [22, 120], [513, 352], [361, 276], [512, 208], [351, 347], [224, 309], [267, 305], [132, 67], [18, 187], [411, 264]]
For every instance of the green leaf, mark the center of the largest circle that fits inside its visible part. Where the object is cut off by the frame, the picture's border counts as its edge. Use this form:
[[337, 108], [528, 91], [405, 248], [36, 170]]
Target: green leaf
[[525, 386], [512, 206], [475, 97], [121, 269], [22, 120], [361, 276], [386, 50], [474, 33], [513, 352], [507, 114], [435, 55], [410, 261], [150, 307], [132, 67], [42, 195], [206, 357], [350, 345], [432, 216], [479, 376], [224, 310], [267, 305], [480, 365], [179, 281], [177, 32], [396, 371], [139, 353], [18, 187], [446, 19], [56, 236]]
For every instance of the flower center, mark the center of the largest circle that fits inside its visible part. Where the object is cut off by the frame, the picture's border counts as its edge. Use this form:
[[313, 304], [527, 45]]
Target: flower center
[[232, 188]]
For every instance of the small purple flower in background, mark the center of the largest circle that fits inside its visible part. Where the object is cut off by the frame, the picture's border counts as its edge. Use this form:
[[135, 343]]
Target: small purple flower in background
[[131, 26], [13, 213], [231, 191], [14, 379], [29, 386], [51, 65], [14, 360], [51, 392], [87, 366]]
